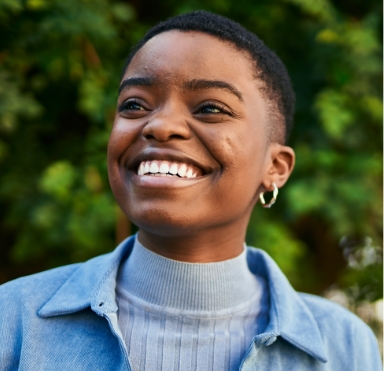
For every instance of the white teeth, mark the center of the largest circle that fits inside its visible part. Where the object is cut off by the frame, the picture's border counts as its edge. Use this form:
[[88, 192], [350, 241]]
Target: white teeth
[[154, 168], [173, 169], [189, 173], [141, 169], [164, 167], [182, 170]]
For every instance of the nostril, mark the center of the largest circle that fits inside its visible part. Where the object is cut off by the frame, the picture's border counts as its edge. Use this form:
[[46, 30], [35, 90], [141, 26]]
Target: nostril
[[149, 136], [176, 136], [163, 138]]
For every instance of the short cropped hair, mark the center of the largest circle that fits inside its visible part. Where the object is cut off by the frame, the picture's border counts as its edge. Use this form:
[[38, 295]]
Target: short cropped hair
[[269, 69]]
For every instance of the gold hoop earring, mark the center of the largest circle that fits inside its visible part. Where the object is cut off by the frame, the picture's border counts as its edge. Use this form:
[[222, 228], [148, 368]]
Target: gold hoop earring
[[273, 200]]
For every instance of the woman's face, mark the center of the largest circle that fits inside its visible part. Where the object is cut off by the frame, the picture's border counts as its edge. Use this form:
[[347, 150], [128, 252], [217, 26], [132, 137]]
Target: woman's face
[[189, 106]]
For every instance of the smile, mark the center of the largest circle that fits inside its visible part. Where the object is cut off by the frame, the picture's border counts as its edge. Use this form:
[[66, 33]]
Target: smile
[[168, 169]]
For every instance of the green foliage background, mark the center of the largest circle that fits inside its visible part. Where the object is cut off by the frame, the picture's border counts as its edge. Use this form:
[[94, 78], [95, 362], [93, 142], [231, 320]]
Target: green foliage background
[[60, 63]]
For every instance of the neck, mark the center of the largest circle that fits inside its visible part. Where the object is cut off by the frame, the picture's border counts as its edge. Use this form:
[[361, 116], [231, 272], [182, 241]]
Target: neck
[[204, 247], [182, 285]]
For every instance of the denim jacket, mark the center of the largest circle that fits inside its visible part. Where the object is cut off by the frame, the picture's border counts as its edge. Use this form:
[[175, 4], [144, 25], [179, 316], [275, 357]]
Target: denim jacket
[[66, 319]]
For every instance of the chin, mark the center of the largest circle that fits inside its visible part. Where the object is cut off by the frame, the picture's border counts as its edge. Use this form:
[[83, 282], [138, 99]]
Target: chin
[[165, 222], [167, 229]]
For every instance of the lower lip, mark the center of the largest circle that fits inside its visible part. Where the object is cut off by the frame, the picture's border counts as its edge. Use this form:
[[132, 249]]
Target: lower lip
[[163, 181]]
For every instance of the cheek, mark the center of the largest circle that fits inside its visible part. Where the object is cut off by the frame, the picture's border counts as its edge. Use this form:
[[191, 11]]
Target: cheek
[[122, 136], [238, 150], [242, 157], [121, 139]]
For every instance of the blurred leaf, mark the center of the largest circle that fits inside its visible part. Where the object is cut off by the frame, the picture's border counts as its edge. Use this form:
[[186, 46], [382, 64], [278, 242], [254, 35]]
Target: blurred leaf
[[334, 114], [58, 179]]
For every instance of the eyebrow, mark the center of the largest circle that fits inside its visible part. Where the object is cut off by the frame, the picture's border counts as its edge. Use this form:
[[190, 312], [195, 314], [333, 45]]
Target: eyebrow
[[212, 84], [135, 81], [190, 85]]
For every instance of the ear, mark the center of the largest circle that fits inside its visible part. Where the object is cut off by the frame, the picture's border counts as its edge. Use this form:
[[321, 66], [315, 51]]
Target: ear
[[280, 163]]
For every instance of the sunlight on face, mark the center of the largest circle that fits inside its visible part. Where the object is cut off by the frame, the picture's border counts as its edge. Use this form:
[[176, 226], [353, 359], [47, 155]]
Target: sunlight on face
[[188, 102]]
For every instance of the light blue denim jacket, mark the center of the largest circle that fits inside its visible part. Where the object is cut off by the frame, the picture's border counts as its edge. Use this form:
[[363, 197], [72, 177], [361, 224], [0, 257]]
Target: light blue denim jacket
[[66, 319]]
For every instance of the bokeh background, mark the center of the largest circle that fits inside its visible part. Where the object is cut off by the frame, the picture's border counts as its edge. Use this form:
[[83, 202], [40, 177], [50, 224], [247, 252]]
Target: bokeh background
[[60, 63]]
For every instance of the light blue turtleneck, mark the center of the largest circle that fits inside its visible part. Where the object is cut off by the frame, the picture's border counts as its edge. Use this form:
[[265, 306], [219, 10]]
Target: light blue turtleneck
[[188, 316]]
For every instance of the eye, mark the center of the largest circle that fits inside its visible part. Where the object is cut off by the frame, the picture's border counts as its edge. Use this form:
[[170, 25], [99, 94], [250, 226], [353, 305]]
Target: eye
[[212, 108], [130, 105]]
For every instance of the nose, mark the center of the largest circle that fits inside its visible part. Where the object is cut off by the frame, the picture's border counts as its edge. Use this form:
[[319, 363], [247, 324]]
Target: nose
[[168, 123]]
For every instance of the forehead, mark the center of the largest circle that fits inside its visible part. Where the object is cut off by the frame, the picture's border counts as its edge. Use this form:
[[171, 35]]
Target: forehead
[[176, 55]]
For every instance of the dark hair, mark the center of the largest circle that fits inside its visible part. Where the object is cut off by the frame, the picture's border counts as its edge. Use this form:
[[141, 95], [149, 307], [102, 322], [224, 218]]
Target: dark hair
[[277, 88]]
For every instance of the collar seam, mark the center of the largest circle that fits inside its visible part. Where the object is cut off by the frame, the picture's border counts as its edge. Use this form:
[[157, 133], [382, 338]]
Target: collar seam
[[274, 305], [104, 278]]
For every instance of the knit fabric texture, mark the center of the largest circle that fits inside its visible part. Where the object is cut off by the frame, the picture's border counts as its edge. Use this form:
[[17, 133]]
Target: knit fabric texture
[[188, 316]]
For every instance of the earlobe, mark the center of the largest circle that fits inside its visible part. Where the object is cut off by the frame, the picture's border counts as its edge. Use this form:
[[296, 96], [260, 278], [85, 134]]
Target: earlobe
[[280, 166]]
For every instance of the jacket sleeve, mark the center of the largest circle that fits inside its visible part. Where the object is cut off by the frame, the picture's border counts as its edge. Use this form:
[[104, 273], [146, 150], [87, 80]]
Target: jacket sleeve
[[10, 327], [366, 351]]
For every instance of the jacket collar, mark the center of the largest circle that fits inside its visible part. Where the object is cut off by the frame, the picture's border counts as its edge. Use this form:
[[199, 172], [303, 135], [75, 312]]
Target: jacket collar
[[93, 285], [289, 316]]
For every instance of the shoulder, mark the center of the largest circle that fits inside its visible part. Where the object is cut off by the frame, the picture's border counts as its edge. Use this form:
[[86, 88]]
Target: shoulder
[[328, 314], [345, 335], [20, 300], [34, 289]]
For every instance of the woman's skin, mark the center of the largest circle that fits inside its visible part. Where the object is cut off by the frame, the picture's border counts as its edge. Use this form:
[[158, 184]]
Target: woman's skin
[[188, 97]]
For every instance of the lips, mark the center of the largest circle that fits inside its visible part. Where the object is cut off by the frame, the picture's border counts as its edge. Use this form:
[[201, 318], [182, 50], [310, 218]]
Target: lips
[[169, 169]]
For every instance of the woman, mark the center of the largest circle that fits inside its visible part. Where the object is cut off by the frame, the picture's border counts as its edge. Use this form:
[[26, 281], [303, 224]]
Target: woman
[[203, 115]]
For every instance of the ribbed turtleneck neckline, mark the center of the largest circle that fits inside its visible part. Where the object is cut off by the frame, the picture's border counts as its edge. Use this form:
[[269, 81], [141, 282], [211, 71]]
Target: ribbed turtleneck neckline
[[188, 286]]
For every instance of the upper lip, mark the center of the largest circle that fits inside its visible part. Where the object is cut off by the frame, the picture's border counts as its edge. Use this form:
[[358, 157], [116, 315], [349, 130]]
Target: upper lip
[[159, 154]]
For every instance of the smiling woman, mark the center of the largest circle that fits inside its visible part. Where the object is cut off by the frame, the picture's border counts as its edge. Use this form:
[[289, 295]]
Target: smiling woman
[[203, 114], [181, 101]]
